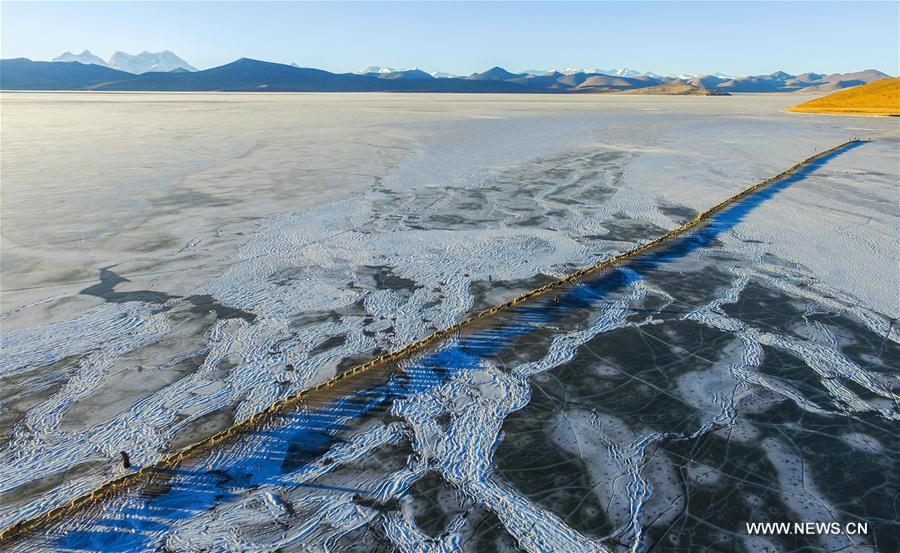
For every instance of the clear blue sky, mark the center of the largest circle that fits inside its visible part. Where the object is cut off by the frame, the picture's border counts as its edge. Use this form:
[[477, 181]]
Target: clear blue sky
[[462, 37]]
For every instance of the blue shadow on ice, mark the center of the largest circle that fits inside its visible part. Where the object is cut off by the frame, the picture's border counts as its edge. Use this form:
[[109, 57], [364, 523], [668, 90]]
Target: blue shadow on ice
[[139, 519]]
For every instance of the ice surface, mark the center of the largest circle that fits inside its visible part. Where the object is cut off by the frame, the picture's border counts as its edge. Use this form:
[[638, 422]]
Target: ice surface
[[245, 248]]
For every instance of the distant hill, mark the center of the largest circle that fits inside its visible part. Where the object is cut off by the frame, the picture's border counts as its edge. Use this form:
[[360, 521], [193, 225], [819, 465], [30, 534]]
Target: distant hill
[[838, 81], [604, 83], [244, 75], [163, 71], [599, 80], [24, 74], [707, 81], [496, 74], [391, 73], [878, 98], [247, 75], [785, 82], [407, 74], [557, 81], [756, 83], [677, 88]]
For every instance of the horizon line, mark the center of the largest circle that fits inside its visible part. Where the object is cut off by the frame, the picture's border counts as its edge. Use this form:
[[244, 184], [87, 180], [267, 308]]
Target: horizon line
[[432, 72]]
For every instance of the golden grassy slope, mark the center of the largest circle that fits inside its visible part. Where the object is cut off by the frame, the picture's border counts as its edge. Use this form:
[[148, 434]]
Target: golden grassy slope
[[877, 98]]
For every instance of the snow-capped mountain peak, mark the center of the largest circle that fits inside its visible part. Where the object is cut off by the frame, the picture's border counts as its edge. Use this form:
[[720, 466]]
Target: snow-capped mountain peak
[[148, 61], [624, 72], [85, 57], [689, 76], [141, 63], [381, 70], [616, 72]]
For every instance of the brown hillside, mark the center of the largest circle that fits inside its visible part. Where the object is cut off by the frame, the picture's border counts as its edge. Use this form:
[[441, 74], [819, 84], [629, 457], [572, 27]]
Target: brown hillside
[[677, 88], [878, 98]]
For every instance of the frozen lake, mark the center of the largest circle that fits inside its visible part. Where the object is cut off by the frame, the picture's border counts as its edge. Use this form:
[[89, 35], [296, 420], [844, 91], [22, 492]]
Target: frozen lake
[[173, 263]]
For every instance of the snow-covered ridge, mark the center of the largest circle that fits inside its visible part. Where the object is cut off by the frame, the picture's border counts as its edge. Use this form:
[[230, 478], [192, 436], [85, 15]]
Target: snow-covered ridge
[[85, 57], [137, 64], [148, 61], [620, 72], [382, 70]]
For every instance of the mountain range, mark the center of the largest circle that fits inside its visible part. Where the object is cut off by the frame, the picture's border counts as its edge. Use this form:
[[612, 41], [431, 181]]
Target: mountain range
[[136, 64], [67, 73]]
